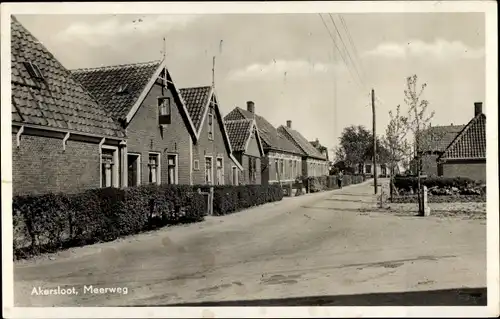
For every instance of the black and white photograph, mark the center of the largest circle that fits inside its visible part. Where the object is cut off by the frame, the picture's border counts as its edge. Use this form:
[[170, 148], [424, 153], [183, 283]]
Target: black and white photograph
[[236, 160]]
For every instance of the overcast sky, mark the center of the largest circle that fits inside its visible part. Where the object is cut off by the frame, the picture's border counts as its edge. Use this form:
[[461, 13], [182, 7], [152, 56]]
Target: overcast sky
[[287, 64]]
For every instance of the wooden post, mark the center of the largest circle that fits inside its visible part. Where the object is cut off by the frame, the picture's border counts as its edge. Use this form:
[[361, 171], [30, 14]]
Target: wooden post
[[425, 205], [211, 196]]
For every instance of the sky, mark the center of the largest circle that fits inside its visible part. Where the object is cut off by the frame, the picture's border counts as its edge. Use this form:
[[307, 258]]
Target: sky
[[288, 63]]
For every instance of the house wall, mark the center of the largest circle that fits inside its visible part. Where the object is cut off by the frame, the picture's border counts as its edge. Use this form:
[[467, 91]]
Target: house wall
[[245, 176], [474, 170], [289, 174], [313, 167], [429, 165], [216, 148], [368, 169], [253, 146], [145, 136], [40, 165]]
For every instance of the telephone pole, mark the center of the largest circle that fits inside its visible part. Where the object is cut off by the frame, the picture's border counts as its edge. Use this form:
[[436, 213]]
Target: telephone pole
[[374, 146], [213, 72]]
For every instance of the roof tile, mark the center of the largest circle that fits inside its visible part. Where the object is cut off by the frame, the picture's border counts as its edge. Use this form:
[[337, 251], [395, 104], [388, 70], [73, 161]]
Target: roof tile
[[470, 142], [437, 138], [302, 142], [38, 101], [196, 99], [239, 132]]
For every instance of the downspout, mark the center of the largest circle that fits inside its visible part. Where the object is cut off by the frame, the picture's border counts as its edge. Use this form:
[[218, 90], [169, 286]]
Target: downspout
[[124, 166], [100, 160], [18, 136], [65, 139]]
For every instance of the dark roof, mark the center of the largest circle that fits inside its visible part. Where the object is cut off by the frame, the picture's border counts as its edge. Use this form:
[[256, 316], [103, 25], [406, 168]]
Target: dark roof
[[270, 136], [470, 143], [239, 132], [437, 138], [56, 101], [196, 99], [105, 82], [302, 142], [319, 147]]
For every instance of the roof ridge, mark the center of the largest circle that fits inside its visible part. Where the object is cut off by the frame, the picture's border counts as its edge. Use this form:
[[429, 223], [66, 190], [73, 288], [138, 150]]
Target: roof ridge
[[107, 67], [197, 87], [462, 133], [240, 120]]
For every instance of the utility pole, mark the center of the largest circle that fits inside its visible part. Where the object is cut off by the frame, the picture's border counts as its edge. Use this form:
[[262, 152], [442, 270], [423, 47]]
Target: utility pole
[[375, 187]]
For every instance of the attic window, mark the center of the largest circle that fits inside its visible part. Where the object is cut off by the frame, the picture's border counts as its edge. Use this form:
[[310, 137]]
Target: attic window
[[164, 111], [33, 70], [123, 89]]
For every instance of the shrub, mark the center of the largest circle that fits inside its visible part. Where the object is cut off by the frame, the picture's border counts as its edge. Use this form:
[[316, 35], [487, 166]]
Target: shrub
[[410, 183], [49, 222]]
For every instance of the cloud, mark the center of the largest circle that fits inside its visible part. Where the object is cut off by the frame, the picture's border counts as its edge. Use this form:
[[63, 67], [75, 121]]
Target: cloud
[[100, 33], [439, 49], [279, 68]]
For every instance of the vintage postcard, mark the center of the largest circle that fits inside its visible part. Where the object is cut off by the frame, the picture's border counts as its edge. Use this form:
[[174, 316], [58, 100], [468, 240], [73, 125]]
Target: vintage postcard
[[250, 159]]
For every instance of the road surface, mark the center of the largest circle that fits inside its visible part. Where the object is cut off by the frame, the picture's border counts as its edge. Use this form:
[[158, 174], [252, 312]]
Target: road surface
[[326, 244]]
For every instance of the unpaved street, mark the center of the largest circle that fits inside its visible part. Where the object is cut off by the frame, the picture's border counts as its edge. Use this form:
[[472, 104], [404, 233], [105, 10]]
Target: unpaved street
[[315, 245]]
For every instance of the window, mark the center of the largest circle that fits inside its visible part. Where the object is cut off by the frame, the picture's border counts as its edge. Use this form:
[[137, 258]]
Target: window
[[196, 165], [208, 170], [172, 177], [252, 170], [154, 168], [33, 70], [164, 111], [134, 169], [234, 175], [210, 124], [282, 168], [220, 171], [368, 168], [109, 166], [290, 169]]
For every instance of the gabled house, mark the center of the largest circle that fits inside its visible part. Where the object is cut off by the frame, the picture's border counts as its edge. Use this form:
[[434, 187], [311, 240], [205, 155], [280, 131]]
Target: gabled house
[[282, 160], [434, 142], [247, 149], [322, 149], [212, 159], [313, 162], [62, 139], [144, 99], [465, 156]]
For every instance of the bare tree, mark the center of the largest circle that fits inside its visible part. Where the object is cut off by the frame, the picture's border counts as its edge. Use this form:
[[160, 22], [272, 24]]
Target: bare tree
[[396, 143], [418, 122]]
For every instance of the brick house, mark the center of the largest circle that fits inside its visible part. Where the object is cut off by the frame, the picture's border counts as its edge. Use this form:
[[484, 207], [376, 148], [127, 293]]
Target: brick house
[[247, 147], [144, 99], [465, 156], [313, 162], [282, 162], [436, 140], [212, 159], [62, 140]]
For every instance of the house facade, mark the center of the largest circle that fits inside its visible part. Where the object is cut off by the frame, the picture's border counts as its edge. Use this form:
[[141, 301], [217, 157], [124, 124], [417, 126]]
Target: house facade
[[282, 161], [466, 154], [62, 140], [314, 163], [212, 159], [144, 99]]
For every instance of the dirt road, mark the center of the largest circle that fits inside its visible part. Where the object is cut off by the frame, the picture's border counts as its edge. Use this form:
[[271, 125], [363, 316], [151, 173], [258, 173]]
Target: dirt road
[[314, 245]]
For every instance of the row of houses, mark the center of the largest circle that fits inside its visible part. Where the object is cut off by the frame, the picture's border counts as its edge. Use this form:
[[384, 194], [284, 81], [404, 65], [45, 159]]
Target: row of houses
[[126, 125]]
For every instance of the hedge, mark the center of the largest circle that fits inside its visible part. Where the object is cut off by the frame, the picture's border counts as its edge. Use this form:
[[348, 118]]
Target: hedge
[[321, 183], [229, 199], [441, 199], [50, 222], [408, 183]]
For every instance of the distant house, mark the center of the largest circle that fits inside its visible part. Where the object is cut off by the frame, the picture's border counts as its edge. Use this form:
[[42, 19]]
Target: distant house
[[143, 97], [322, 149], [465, 156], [212, 159], [282, 162], [435, 141], [62, 139], [314, 163], [247, 149]]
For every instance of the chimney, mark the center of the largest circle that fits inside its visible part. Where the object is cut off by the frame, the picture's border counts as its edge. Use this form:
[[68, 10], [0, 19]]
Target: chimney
[[478, 108], [251, 107], [289, 124]]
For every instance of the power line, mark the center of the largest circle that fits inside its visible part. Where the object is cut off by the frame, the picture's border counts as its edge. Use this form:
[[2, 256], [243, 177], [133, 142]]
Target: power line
[[356, 55], [347, 51], [338, 49]]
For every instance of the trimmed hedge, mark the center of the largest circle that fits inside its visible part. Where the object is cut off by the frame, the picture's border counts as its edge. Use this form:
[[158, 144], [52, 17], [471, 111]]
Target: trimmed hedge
[[441, 199], [408, 183], [321, 183], [230, 199], [50, 222]]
